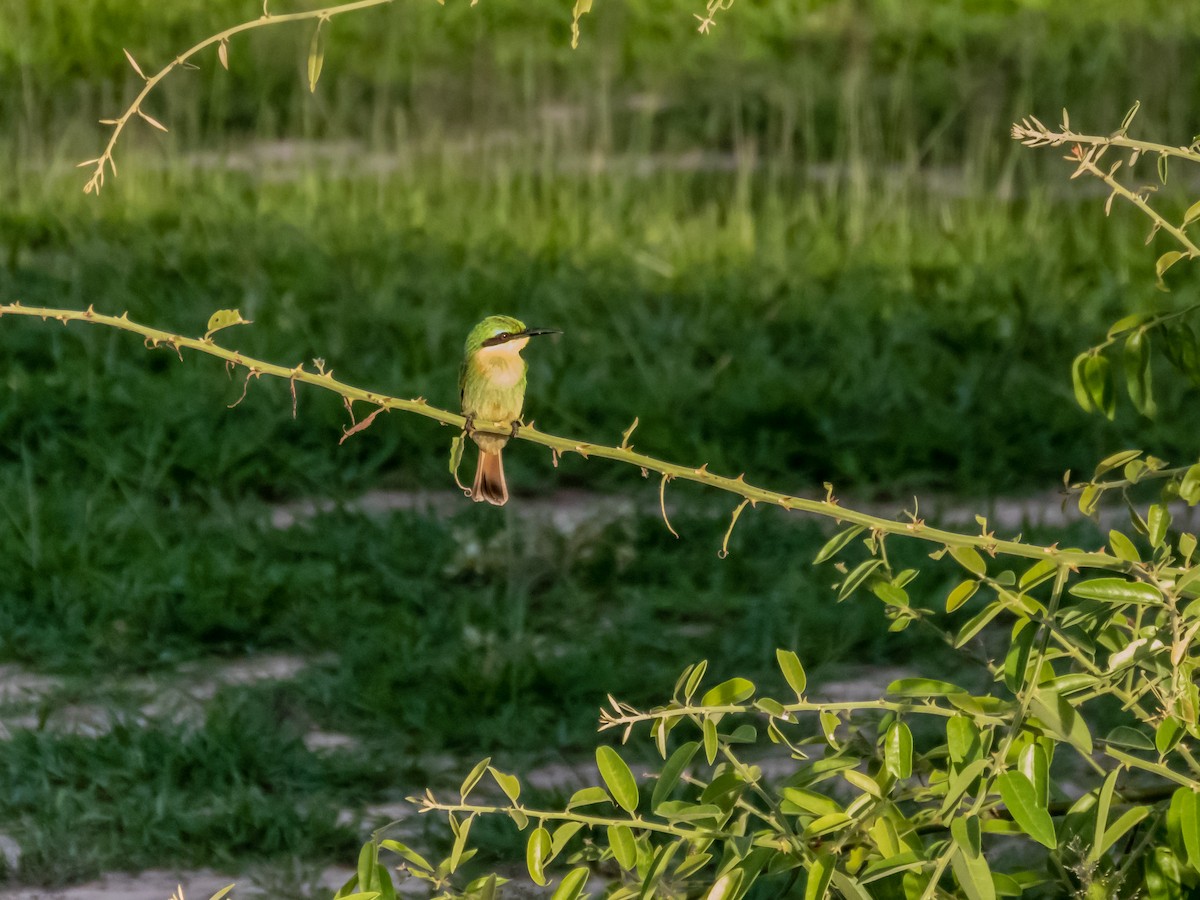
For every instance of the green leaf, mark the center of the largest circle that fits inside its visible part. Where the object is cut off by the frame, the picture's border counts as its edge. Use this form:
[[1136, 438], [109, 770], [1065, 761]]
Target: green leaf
[[827, 824], [1097, 378], [1018, 795], [587, 797], [1062, 719], [923, 687], [973, 875], [1136, 358], [582, 8], [368, 856], [456, 453], [1123, 547], [411, 856], [962, 739], [709, 730], [686, 811], [1082, 397], [1124, 736], [1189, 824], [856, 577], [473, 779], [694, 679], [572, 885], [849, 886], [1103, 803], [967, 835], [728, 693], [835, 544], [1158, 520], [1189, 487], [977, 623], [793, 671], [1035, 766], [1117, 590], [624, 848], [1115, 461], [1192, 214], [961, 594], [692, 864], [1118, 828], [811, 802], [890, 594], [316, 55], [618, 778], [460, 842], [898, 749], [820, 872], [658, 865], [969, 559], [508, 783], [829, 722], [672, 770], [562, 836], [1165, 262], [1167, 735], [960, 782], [223, 318], [537, 854]]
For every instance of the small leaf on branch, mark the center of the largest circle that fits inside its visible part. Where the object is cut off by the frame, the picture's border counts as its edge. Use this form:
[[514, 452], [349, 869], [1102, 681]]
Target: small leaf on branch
[[151, 120], [316, 57], [1192, 214], [837, 542], [1116, 590], [1082, 397], [793, 671], [898, 750], [224, 318], [223, 54], [1136, 357], [1018, 795], [617, 778], [537, 854], [1097, 378], [1165, 262], [582, 8], [133, 62]]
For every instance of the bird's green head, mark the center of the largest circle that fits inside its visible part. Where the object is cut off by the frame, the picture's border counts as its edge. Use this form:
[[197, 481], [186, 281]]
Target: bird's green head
[[496, 330]]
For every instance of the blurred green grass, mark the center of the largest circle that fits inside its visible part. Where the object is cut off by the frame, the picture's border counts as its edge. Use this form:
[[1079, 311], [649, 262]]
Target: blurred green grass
[[802, 247]]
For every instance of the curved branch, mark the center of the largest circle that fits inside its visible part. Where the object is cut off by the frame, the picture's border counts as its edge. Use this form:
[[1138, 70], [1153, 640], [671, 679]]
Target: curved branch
[[135, 108], [828, 508]]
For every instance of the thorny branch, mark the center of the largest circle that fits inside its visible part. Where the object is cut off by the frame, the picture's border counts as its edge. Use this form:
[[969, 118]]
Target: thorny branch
[[828, 508]]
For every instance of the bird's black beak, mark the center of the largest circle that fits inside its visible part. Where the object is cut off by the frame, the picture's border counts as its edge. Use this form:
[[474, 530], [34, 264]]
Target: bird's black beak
[[534, 332]]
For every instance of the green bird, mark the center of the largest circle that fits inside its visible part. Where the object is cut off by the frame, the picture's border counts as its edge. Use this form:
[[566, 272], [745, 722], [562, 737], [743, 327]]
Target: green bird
[[491, 384]]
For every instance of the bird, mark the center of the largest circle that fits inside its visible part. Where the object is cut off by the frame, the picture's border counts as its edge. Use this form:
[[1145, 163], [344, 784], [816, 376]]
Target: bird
[[491, 386]]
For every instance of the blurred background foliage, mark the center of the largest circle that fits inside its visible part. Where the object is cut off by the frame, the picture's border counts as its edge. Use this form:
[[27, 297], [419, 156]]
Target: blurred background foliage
[[802, 246]]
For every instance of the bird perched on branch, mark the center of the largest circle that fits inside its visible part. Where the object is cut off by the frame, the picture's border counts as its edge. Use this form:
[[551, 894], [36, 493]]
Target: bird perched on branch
[[491, 384]]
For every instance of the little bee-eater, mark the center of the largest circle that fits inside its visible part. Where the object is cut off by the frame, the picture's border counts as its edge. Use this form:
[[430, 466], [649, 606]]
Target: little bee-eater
[[491, 384]]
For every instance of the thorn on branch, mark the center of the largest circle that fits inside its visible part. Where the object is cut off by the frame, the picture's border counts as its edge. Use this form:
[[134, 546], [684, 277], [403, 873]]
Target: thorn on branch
[[625, 445], [361, 426]]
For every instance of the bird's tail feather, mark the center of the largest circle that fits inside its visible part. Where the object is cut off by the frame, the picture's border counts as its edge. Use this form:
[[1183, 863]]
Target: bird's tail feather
[[489, 479]]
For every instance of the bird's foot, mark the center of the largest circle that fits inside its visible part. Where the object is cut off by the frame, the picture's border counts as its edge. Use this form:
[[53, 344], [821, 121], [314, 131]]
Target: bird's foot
[[516, 426], [469, 425]]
